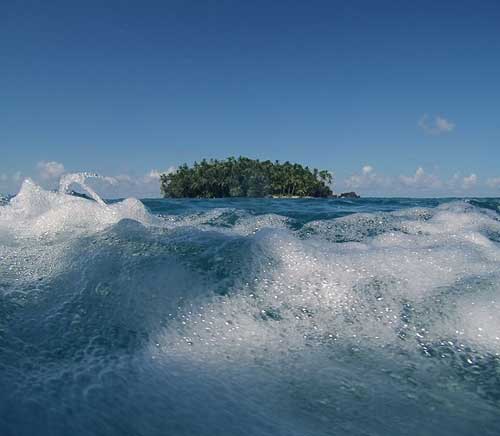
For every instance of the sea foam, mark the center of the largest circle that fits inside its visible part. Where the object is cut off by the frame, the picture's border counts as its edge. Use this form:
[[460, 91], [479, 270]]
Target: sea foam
[[241, 317]]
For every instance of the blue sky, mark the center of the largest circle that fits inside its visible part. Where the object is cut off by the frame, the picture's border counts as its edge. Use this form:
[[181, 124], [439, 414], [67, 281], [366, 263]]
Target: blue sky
[[396, 98]]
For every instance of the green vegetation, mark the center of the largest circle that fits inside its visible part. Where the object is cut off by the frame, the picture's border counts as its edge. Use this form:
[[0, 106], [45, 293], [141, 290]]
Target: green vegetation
[[245, 177]]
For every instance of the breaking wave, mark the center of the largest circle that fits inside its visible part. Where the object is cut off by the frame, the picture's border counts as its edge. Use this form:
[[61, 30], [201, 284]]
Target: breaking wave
[[255, 317]]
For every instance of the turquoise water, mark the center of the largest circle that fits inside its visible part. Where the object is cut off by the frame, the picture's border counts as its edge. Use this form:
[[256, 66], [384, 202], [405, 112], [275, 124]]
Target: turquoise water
[[249, 316]]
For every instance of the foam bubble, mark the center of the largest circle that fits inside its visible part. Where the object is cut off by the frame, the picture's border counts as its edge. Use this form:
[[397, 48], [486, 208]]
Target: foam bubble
[[375, 290], [35, 212], [213, 321]]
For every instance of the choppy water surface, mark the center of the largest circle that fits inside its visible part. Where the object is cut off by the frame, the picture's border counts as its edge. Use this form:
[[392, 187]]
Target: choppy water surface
[[248, 317]]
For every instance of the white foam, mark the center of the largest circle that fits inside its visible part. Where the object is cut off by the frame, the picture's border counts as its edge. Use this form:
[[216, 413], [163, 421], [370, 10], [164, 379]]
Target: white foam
[[478, 322], [312, 329], [355, 291], [303, 284], [35, 212]]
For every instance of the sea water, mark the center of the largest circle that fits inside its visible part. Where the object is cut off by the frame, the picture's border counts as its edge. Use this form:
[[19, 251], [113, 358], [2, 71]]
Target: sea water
[[248, 316]]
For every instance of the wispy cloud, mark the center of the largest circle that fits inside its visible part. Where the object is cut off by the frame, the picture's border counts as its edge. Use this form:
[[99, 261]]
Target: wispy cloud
[[435, 125], [48, 173], [421, 180], [421, 183], [126, 185], [493, 182], [50, 170], [469, 182], [367, 178], [17, 176], [367, 181]]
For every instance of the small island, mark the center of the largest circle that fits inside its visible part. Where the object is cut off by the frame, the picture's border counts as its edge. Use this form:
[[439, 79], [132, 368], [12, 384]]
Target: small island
[[244, 177]]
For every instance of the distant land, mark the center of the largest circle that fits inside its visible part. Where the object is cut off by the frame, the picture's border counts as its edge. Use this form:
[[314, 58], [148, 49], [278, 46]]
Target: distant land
[[244, 177]]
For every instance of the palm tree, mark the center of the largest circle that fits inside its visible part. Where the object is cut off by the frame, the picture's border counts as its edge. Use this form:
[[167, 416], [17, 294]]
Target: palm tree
[[245, 177]]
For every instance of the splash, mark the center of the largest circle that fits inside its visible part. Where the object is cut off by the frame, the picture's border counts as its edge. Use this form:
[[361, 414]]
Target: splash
[[67, 180], [35, 212]]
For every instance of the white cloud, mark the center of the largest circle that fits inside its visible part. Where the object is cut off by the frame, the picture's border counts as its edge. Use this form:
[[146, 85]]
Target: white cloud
[[421, 180], [367, 169], [421, 183], [10, 183], [48, 174], [435, 125], [493, 182], [469, 182], [373, 183], [154, 175], [50, 170], [367, 180], [126, 185], [443, 125]]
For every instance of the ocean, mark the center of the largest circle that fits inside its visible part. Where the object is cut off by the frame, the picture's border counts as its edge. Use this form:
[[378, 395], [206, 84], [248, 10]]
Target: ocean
[[304, 317]]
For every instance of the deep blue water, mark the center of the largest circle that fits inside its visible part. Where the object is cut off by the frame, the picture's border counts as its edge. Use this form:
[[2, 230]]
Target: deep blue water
[[249, 316]]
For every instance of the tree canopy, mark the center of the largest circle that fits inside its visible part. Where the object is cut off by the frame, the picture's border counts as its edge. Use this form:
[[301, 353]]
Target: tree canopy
[[244, 177]]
